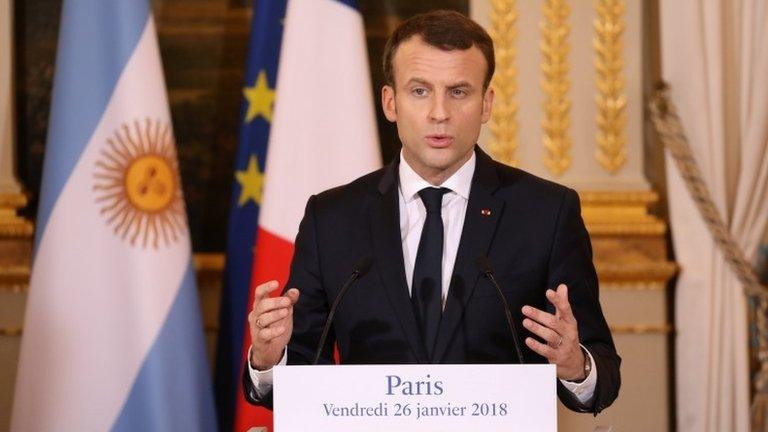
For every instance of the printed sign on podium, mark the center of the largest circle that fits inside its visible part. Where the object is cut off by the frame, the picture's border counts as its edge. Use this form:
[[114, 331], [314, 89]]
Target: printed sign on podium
[[415, 398]]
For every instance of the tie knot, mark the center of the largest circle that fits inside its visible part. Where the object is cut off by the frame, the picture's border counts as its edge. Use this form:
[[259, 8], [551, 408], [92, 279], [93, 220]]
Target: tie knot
[[432, 198]]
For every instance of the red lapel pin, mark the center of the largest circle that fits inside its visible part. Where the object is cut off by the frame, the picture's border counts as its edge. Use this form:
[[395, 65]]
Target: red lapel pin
[[485, 212]]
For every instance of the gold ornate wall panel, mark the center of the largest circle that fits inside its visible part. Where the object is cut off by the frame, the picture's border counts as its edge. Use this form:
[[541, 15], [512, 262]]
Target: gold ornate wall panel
[[579, 108], [556, 84], [578, 103], [610, 99], [504, 141]]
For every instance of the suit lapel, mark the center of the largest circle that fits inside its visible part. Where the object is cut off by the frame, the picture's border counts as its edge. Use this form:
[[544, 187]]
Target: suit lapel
[[388, 257], [483, 213]]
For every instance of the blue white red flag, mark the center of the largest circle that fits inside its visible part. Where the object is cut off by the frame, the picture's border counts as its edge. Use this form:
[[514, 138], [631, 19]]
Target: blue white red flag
[[323, 135]]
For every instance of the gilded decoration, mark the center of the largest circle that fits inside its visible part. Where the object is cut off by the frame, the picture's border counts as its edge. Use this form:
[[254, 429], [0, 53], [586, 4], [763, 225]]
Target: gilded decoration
[[209, 262], [14, 278], [210, 269], [636, 274], [641, 329], [611, 100], [504, 141], [620, 213], [554, 46], [10, 331], [11, 225]]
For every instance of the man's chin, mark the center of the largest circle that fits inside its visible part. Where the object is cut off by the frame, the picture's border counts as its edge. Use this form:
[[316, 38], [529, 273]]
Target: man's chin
[[446, 164], [445, 158]]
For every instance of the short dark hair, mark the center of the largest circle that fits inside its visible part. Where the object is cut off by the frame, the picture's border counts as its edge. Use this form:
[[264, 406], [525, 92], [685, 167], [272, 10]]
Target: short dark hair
[[443, 29]]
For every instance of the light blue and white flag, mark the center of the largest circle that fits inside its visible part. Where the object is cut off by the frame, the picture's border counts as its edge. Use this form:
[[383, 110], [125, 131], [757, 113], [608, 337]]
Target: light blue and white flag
[[112, 337]]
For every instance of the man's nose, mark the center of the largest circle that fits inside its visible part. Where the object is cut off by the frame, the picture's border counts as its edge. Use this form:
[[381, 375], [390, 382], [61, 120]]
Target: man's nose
[[439, 109]]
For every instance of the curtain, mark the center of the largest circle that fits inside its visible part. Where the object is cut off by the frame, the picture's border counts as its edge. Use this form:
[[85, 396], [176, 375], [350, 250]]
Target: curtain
[[715, 60]]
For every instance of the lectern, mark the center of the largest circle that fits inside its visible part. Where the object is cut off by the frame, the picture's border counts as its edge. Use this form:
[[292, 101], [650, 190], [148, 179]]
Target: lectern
[[441, 398]]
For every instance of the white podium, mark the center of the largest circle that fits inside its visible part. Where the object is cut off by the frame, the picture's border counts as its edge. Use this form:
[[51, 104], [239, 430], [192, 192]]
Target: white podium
[[415, 398]]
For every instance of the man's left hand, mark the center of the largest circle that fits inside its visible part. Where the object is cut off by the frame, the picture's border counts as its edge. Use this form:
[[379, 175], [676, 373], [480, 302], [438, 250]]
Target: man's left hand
[[560, 334]]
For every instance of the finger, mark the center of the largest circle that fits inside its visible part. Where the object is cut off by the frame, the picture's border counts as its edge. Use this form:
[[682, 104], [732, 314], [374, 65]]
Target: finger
[[544, 318], [549, 335], [563, 311], [269, 333], [559, 298], [556, 299], [271, 303], [263, 290], [293, 295], [269, 318], [541, 349]]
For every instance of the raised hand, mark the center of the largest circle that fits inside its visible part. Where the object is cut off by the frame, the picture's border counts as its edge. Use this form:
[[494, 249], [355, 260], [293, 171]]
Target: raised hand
[[271, 324], [560, 335]]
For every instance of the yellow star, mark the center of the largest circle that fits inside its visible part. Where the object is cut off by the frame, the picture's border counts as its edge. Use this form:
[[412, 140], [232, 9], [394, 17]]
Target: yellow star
[[251, 181], [260, 99]]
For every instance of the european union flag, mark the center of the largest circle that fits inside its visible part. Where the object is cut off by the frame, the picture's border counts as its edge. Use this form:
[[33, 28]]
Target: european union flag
[[256, 116]]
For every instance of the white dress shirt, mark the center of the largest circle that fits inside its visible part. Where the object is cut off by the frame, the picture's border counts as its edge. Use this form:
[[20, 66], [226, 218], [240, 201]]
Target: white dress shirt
[[413, 213], [412, 216]]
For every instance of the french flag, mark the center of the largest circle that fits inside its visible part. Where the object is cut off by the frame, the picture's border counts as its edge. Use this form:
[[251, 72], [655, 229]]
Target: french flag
[[323, 135], [113, 337]]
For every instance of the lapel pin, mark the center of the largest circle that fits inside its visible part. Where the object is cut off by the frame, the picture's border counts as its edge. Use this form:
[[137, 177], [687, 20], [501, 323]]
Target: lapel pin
[[485, 212]]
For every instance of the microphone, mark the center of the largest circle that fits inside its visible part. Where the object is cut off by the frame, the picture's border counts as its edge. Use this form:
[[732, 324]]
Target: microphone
[[361, 268], [485, 267]]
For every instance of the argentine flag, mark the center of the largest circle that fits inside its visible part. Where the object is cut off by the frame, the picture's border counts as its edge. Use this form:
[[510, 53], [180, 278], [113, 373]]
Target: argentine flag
[[112, 337]]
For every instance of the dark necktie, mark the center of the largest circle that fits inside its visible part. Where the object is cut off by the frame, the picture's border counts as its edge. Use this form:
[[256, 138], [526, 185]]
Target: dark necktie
[[427, 286]]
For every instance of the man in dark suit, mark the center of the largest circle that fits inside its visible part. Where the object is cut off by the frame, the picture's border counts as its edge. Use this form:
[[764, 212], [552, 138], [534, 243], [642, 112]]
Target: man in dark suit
[[424, 220]]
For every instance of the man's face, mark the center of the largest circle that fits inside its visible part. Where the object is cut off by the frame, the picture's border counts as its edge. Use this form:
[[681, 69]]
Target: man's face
[[439, 105]]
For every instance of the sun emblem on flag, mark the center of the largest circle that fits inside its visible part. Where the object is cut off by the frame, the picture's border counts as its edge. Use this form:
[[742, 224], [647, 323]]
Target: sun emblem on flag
[[138, 187]]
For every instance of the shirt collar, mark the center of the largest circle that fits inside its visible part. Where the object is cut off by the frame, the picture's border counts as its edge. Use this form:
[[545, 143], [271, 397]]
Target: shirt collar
[[460, 182]]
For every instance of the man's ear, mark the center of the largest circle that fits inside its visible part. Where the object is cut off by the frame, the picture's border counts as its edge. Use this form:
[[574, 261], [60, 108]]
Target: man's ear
[[388, 103], [487, 104]]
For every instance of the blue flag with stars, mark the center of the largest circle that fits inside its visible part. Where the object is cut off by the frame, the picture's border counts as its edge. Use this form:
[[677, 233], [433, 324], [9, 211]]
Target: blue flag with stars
[[256, 116]]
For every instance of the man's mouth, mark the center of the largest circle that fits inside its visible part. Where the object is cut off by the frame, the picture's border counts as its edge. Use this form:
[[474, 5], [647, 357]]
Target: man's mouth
[[439, 140]]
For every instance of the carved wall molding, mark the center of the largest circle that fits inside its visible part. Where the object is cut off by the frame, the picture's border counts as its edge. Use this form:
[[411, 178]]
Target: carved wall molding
[[648, 272], [504, 127], [13, 201], [209, 261], [611, 99], [11, 225], [632, 287], [11, 331], [620, 213], [556, 85], [642, 329], [14, 278]]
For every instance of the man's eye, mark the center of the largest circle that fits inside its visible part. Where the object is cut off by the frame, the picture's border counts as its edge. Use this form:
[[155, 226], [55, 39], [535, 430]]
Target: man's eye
[[419, 91], [458, 93]]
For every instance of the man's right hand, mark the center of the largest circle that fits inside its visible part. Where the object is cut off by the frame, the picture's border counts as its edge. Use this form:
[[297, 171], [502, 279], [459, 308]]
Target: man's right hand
[[271, 324]]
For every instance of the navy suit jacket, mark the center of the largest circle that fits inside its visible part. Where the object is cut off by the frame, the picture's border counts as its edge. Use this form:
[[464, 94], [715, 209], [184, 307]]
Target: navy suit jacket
[[534, 237]]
